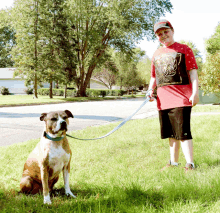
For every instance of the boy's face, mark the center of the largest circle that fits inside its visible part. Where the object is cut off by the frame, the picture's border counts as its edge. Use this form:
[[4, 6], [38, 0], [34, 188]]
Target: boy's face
[[165, 36]]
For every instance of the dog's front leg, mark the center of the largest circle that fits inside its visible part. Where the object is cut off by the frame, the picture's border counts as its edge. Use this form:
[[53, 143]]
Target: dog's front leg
[[44, 178], [66, 181]]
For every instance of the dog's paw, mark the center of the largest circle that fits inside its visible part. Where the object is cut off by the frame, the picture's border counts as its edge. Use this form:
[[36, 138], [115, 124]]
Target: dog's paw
[[69, 193], [47, 200]]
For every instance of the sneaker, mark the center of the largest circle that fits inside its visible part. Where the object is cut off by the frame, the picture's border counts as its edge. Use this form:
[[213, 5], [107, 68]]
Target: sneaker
[[188, 167], [169, 165]]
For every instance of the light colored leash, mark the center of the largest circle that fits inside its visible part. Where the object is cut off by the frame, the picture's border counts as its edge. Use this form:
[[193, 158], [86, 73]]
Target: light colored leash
[[117, 127]]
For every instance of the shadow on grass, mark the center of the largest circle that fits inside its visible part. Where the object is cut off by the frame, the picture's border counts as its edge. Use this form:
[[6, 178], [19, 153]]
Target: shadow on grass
[[88, 200]]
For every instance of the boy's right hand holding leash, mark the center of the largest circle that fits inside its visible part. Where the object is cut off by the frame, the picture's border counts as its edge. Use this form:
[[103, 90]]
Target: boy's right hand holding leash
[[149, 94]]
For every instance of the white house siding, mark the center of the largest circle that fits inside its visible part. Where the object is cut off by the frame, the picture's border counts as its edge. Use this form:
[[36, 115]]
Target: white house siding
[[14, 86]]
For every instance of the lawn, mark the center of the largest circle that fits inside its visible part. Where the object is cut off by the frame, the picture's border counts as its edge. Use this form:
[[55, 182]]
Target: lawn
[[16, 100], [122, 173]]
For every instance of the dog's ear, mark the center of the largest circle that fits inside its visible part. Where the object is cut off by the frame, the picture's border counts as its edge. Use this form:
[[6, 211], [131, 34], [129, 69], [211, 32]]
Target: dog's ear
[[69, 114], [43, 115]]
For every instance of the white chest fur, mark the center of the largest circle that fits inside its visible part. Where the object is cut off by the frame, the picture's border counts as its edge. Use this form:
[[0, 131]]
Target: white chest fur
[[58, 158]]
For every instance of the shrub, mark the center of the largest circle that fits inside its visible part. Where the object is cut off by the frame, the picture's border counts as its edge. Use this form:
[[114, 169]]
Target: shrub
[[43, 91], [56, 92], [5, 91], [29, 91], [103, 93]]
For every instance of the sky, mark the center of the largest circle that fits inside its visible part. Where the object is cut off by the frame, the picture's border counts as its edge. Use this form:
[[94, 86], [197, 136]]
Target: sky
[[192, 20]]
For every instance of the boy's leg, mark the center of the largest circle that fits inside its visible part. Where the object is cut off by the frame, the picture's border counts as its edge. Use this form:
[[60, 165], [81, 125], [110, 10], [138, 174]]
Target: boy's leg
[[174, 151], [187, 147]]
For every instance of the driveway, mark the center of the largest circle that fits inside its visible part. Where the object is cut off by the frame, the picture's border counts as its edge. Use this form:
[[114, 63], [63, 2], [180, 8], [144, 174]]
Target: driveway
[[19, 124]]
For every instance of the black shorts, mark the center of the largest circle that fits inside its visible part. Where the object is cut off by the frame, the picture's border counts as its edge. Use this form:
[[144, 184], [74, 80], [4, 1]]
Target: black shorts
[[175, 123]]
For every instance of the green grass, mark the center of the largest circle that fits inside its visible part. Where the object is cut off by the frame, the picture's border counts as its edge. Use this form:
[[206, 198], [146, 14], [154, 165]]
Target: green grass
[[122, 173], [206, 108], [16, 100]]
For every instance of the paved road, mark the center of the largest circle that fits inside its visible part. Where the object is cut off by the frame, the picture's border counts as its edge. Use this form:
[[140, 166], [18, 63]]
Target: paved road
[[19, 124]]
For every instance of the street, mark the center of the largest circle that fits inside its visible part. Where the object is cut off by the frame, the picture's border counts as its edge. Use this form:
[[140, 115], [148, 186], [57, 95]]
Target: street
[[19, 124]]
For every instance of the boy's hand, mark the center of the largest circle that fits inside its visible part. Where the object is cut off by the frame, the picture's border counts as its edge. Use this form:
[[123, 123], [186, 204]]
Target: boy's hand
[[150, 95], [194, 99]]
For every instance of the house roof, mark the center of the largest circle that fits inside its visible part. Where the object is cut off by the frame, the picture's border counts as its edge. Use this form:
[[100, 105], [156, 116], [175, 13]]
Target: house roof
[[7, 73]]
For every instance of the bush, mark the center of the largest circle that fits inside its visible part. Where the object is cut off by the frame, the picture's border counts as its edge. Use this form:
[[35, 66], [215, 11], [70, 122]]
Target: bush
[[71, 93], [5, 91], [89, 92], [103, 93], [57, 92], [43, 91], [29, 91]]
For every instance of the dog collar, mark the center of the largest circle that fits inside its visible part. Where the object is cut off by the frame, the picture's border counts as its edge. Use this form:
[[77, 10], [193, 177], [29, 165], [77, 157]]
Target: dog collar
[[53, 139]]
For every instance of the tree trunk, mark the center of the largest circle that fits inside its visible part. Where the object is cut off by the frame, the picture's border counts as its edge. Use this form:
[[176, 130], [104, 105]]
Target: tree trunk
[[82, 91], [35, 51], [35, 85], [65, 91], [51, 89]]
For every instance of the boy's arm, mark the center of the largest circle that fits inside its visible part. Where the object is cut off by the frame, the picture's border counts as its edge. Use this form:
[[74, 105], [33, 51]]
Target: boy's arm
[[194, 99]]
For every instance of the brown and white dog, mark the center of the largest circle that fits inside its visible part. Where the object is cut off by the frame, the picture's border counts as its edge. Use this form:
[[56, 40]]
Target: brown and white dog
[[51, 156]]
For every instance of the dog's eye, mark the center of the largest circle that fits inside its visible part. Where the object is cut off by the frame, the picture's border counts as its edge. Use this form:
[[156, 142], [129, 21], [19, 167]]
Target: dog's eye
[[53, 119], [65, 117]]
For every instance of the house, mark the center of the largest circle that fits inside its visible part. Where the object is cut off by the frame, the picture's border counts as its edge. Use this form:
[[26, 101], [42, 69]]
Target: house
[[17, 85]]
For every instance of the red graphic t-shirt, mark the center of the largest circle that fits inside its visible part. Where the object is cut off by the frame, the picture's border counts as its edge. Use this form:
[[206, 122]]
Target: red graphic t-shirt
[[170, 66]]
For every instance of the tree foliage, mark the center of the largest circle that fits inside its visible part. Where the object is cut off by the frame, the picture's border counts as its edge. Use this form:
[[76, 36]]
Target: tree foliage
[[196, 53], [45, 50], [144, 69], [7, 39], [212, 44], [67, 39], [110, 23], [210, 76], [129, 76]]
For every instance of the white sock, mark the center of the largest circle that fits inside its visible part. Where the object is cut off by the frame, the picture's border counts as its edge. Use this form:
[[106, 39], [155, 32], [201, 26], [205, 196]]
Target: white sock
[[173, 163]]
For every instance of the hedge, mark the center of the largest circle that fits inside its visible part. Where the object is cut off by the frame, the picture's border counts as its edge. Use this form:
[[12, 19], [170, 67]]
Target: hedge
[[103, 93], [56, 92], [89, 92]]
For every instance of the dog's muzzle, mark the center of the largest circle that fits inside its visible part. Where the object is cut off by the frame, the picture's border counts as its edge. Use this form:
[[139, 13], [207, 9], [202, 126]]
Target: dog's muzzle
[[63, 125]]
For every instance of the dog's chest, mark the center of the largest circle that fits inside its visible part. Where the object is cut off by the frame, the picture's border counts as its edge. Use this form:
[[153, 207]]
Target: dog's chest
[[58, 158]]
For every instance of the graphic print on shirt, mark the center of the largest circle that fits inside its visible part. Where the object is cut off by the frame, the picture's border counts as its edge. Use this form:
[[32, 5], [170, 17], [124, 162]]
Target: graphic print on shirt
[[170, 69]]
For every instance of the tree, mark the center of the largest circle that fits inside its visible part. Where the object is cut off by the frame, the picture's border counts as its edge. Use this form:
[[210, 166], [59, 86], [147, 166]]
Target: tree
[[45, 50], [91, 27], [196, 53], [212, 44], [144, 69], [7, 39], [107, 74], [26, 52], [210, 75], [117, 24], [58, 52]]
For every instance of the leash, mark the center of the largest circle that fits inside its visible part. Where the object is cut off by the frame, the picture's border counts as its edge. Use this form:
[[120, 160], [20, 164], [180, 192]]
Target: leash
[[117, 127]]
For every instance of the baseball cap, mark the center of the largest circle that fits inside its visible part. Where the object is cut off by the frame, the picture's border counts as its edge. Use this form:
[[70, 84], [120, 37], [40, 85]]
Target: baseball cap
[[162, 24]]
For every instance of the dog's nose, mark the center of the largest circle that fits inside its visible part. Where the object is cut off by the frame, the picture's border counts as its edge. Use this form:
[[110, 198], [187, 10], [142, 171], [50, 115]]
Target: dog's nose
[[63, 124]]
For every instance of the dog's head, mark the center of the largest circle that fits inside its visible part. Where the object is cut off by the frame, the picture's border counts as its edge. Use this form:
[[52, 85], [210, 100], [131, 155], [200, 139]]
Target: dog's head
[[56, 122]]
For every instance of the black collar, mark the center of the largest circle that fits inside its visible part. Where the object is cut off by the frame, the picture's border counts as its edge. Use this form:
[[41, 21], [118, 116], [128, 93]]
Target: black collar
[[53, 139]]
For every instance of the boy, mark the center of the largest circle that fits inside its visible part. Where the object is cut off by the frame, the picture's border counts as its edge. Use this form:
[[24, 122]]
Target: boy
[[174, 72]]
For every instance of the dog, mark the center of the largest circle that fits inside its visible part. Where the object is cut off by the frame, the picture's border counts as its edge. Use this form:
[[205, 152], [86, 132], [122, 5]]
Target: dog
[[51, 156]]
